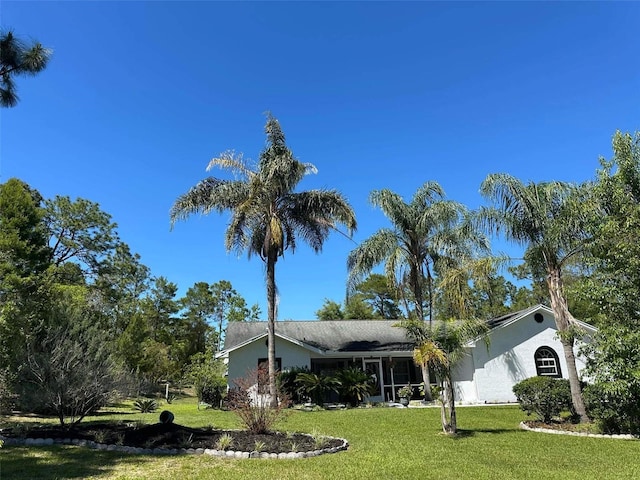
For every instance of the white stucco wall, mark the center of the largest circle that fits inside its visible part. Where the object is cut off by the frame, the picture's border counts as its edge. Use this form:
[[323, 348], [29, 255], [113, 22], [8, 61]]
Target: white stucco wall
[[464, 380], [245, 358], [509, 359]]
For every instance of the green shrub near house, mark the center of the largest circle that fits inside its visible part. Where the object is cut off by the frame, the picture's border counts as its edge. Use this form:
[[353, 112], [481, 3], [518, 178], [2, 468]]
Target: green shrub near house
[[615, 408], [351, 385], [544, 396], [355, 385], [286, 382]]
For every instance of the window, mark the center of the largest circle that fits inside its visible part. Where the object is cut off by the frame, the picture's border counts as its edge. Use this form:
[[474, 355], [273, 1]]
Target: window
[[264, 363], [263, 373], [547, 363]]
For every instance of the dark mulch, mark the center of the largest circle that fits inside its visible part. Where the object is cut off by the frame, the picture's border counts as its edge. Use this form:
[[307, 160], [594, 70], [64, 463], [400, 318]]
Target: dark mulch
[[171, 435]]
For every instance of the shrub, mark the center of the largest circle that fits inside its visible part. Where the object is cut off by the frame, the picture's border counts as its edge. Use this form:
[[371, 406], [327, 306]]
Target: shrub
[[224, 442], [544, 396], [7, 398], [145, 405], [68, 373], [405, 392], [211, 391], [316, 386], [286, 382], [207, 376], [613, 400], [354, 385], [252, 407], [614, 409]]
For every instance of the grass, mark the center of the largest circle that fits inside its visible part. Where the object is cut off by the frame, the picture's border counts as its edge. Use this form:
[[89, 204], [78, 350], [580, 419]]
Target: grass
[[384, 443]]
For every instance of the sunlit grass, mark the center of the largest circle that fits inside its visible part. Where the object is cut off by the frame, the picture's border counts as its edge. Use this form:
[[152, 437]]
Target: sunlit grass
[[385, 443]]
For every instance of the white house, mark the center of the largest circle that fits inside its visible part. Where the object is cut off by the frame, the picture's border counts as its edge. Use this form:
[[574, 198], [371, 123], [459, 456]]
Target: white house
[[521, 345]]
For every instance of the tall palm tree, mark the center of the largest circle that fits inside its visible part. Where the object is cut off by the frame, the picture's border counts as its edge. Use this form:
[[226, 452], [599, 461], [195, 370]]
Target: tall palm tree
[[427, 233], [267, 216], [547, 218]]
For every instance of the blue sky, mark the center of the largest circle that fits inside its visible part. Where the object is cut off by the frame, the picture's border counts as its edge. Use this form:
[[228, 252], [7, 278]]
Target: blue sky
[[139, 96]]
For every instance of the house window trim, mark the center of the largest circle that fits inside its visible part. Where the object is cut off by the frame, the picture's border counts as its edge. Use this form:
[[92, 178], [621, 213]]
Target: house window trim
[[544, 362], [265, 362]]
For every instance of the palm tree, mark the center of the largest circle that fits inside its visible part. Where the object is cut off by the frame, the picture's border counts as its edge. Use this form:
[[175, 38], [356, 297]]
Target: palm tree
[[267, 216], [427, 233], [548, 219], [16, 58], [442, 346]]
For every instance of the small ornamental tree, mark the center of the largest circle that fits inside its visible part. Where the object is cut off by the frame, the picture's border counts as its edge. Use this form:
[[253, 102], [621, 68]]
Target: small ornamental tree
[[66, 366], [441, 347], [67, 375], [207, 376], [254, 408]]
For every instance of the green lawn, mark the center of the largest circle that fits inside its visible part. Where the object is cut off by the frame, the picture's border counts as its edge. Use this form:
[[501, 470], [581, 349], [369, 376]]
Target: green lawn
[[385, 443]]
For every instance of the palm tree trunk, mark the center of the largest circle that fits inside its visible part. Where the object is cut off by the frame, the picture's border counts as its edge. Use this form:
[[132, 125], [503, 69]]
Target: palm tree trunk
[[417, 292], [271, 325], [443, 416], [430, 288], [453, 422], [427, 382], [563, 322], [443, 406]]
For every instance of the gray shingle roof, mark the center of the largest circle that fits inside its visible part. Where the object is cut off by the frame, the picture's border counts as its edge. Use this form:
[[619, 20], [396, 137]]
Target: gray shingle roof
[[337, 336], [346, 335]]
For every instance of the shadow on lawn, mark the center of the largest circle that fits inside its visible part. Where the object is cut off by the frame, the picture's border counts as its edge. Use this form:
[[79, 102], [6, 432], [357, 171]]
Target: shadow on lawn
[[462, 433], [60, 462], [113, 412]]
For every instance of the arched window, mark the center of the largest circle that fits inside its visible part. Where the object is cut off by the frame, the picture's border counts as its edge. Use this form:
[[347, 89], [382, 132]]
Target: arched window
[[547, 363]]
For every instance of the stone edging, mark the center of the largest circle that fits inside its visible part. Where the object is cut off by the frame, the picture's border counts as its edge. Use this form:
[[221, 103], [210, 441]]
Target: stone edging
[[166, 451], [524, 426]]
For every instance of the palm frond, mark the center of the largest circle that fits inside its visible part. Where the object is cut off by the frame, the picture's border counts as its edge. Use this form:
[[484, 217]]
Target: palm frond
[[368, 254], [546, 216], [232, 161], [211, 194], [429, 352], [427, 194]]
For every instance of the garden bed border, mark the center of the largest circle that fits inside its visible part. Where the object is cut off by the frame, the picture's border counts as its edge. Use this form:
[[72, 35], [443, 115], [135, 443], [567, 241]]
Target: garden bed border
[[171, 451], [524, 426]]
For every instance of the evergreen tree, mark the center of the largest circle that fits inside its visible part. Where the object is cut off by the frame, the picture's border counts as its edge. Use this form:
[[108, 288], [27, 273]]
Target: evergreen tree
[[18, 58]]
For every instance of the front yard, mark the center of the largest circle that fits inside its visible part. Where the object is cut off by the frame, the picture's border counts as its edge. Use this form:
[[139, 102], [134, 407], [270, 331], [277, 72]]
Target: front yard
[[385, 443]]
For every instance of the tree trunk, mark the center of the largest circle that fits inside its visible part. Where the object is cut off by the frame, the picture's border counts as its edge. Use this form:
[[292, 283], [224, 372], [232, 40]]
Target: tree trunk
[[427, 382], [448, 404], [271, 325], [453, 421], [563, 323], [417, 292], [443, 406], [430, 288]]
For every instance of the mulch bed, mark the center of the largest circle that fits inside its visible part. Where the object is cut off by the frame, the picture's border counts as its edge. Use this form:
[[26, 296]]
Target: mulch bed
[[563, 426], [174, 436]]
